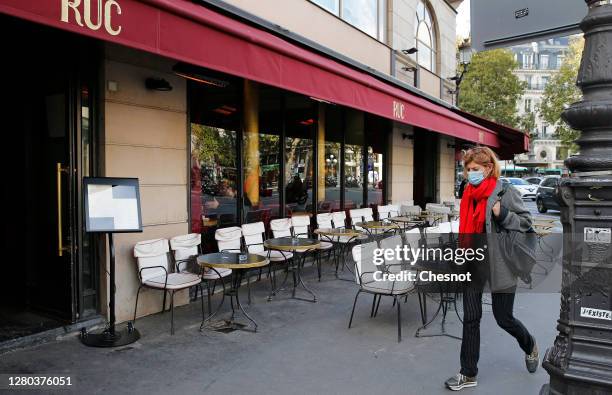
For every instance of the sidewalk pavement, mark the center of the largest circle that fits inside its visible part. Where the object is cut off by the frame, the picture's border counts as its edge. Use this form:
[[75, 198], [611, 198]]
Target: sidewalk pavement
[[300, 348]]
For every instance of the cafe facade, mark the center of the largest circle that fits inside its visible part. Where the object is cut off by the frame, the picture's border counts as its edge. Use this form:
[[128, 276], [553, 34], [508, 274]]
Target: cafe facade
[[223, 118]]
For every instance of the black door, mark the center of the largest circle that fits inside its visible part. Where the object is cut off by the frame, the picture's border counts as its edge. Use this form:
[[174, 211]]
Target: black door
[[426, 158], [39, 121]]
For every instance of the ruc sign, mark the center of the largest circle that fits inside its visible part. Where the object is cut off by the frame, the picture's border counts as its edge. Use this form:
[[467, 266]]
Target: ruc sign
[[80, 12], [399, 110]]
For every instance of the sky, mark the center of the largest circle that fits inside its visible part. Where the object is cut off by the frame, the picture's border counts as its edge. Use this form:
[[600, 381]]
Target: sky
[[463, 19]]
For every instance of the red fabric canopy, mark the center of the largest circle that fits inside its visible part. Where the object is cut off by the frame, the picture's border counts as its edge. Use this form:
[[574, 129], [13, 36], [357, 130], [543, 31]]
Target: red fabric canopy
[[191, 33]]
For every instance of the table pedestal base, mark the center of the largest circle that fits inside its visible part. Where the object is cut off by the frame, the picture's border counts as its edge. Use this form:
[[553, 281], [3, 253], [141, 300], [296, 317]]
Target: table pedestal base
[[108, 339], [296, 271], [446, 301]]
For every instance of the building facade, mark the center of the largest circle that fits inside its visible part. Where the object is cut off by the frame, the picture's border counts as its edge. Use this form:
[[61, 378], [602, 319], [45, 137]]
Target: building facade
[[227, 113], [538, 63]]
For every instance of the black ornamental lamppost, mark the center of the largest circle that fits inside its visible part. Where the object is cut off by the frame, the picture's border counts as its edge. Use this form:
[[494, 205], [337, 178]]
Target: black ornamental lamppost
[[580, 361]]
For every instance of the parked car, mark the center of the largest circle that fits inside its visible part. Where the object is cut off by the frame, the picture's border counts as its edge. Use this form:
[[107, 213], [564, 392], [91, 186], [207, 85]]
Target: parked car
[[533, 180], [527, 190], [546, 196]]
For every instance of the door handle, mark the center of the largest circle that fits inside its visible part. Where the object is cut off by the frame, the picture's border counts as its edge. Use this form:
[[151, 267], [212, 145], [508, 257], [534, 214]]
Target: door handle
[[60, 239]]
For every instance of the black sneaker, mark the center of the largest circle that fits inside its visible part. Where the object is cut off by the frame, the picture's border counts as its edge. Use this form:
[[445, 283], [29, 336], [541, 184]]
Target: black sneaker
[[459, 382], [532, 360]]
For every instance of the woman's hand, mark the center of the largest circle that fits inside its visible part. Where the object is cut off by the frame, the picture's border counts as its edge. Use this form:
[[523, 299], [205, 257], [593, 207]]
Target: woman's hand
[[496, 208]]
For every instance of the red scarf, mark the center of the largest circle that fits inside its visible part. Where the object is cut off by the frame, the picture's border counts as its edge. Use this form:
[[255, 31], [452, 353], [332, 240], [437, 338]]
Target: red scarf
[[472, 216]]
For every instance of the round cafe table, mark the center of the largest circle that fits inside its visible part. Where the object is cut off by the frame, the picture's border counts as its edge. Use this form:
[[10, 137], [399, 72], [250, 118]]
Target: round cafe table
[[407, 222], [231, 260], [341, 238], [300, 246], [377, 227]]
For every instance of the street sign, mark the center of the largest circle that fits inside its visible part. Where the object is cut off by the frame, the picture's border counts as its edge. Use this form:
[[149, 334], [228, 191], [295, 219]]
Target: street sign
[[503, 23]]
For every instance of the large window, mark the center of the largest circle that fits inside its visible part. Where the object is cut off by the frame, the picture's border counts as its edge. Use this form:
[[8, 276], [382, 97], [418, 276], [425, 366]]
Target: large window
[[215, 113], [299, 152], [330, 148], [261, 152], [425, 36], [354, 159], [376, 140], [369, 16]]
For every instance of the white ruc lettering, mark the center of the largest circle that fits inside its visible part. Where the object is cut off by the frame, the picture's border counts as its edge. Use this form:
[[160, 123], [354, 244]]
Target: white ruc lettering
[[105, 10], [74, 4], [87, 12], [108, 25]]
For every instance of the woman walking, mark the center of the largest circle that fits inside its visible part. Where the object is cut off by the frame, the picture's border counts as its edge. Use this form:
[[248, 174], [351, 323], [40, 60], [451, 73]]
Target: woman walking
[[484, 210]]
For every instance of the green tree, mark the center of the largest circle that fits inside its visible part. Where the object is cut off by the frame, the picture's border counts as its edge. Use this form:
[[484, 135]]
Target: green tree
[[561, 91], [490, 89]]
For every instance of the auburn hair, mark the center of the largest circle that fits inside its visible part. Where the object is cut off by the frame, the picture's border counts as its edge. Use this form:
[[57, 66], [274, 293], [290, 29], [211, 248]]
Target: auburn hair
[[483, 156]]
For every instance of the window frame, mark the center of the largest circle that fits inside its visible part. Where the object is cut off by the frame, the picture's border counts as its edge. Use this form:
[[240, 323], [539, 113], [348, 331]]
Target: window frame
[[381, 17], [431, 28]]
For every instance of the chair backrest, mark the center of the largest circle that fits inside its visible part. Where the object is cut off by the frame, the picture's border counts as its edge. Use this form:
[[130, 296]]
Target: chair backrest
[[300, 225], [442, 211], [413, 237], [455, 226], [445, 227], [253, 235], [356, 215], [151, 253], [410, 210], [324, 220], [363, 255], [185, 246], [228, 239], [388, 211], [368, 214], [339, 219], [281, 227]]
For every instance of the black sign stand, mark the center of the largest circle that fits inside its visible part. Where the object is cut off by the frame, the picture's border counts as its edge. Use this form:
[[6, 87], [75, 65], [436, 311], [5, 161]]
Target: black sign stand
[[111, 337]]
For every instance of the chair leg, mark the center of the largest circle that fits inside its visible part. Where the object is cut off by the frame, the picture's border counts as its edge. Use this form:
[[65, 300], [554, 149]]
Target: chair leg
[[136, 305], [373, 306], [249, 287], [164, 302], [172, 312], [353, 311], [202, 298], [399, 322], [377, 305], [209, 295]]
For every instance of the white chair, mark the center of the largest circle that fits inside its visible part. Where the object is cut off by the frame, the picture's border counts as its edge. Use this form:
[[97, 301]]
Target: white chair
[[361, 215], [438, 213], [155, 272], [409, 210], [455, 227], [229, 239], [254, 235], [365, 267], [300, 225], [281, 227], [186, 249], [388, 211]]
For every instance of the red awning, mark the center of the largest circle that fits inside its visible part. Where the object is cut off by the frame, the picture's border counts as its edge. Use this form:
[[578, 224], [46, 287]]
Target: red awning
[[512, 141], [191, 33]]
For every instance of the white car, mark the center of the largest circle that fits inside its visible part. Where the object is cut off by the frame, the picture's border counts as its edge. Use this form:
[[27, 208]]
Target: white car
[[527, 190]]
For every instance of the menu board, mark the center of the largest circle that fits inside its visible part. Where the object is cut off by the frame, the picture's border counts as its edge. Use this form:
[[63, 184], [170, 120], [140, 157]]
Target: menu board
[[112, 205]]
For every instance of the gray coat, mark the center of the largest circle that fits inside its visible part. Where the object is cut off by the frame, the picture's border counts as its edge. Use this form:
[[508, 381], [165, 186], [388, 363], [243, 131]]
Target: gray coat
[[513, 216]]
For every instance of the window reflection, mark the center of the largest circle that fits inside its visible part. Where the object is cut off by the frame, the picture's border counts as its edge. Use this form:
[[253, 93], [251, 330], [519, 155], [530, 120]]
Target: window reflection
[[299, 151], [425, 36], [330, 144], [353, 159], [366, 15], [261, 161], [215, 113], [376, 136]]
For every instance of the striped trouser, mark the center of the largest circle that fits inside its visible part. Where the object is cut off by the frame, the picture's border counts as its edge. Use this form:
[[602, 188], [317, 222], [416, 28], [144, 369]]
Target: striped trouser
[[502, 311]]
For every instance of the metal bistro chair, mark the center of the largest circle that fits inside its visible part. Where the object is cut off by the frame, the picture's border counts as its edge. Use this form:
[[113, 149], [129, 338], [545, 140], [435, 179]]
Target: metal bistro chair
[[154, 271], [388, 211], [339, 222], [230, 240], [363, 255], [186, 249], [254, 236], [301, 228]]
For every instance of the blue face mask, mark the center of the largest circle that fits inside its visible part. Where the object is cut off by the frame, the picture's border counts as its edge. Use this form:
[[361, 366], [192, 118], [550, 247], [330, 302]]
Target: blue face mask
[[475, 177]]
